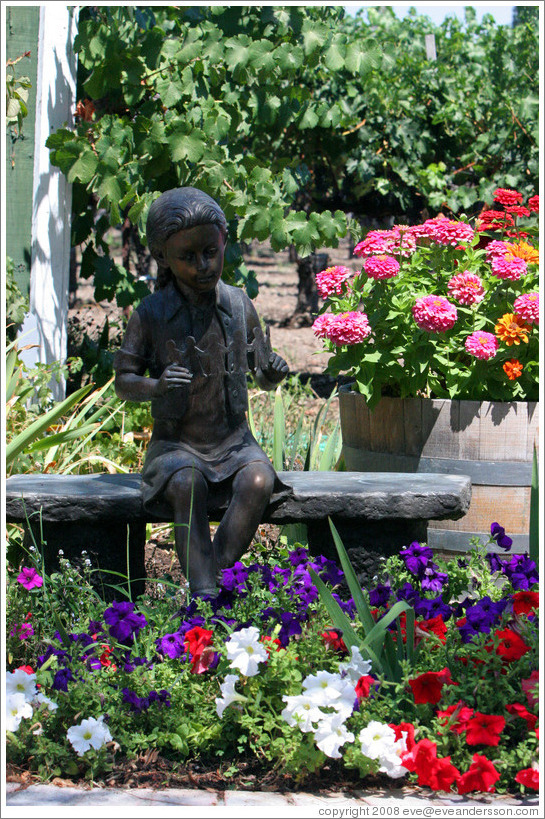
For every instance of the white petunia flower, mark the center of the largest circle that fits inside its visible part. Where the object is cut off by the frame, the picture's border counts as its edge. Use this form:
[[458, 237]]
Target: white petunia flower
[[344, 704], [390, 761], [43, 700], [356, 667], [323, 687], [90, 733], [376, 739], [17, 708], [19, 682], [301, 711], [331, 734], [229, 694], [246, 652]]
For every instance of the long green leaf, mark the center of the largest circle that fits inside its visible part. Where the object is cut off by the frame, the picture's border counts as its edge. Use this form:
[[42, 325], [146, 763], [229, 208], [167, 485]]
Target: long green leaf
[[534, 512], [58, 438], [362, 607], [11, 376], [25, 438], [279, 431]]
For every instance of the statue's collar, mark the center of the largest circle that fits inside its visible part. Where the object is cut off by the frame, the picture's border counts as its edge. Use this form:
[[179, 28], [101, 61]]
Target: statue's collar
[[175, 301]]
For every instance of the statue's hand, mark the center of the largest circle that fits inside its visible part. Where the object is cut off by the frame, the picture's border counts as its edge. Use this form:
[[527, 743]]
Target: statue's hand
[[173, 377], [276, 370]]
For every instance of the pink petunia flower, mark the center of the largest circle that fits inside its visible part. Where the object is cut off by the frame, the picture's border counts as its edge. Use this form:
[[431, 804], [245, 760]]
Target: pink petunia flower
[[30, 579], [527, 307], [466, 288], [331, 280], [509, 268], [381, 267], [482, 345], [348, 328], [434, 314]]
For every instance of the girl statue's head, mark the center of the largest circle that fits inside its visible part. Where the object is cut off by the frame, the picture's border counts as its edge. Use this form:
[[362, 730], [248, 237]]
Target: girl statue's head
[[177, 210]]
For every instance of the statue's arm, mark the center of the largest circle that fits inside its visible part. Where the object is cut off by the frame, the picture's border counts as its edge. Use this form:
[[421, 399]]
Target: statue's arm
[[131, 383], [271, 368]]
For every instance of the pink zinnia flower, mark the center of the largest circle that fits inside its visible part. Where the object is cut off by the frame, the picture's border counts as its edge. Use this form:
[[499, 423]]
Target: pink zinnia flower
[[466, 288], [403, 241], [381, 267], [348, 328], [482, 345], [496, 248], [332, 280], [527, 307], [506, 196], [320, 325], [533, 203], [376, 241], [509, 268], [434, 314], [30, 579], [449, 232]]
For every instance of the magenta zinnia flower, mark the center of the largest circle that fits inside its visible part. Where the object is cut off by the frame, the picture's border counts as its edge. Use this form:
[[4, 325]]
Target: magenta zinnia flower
[[320, 325], [509, 268], [482, 345], [449, 232], [348, 328], [381, 267], [376, 241], [331, 280], [30, 579], [496, 248], [434, 314], [527, 307], [466, 288]]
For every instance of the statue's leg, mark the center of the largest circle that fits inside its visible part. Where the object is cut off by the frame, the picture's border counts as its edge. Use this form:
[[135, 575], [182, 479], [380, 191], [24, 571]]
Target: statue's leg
[[187, 492], [252, 490]]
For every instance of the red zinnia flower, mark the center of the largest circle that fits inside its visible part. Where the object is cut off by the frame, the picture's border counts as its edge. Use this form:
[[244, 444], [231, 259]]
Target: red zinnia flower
[[518, 210], [517, 709], [524, 602], [511, 646], [481, 776], [428, 687], [506, 196], [484, 729], [529, 777], [533, 203]]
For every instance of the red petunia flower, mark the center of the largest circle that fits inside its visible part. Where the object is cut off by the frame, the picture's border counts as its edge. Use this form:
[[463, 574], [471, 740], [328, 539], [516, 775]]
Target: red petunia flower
[[481, 776], [334, 640], [456, 717], [433, 772], [404, 729], [363, 686], [529, 777], [529, 686], [441, 775], [198, 642], [484, 729], [524, 602], [420, 756], [428, 687], [511, 647], [435, 625], [267, 639], [517, 709]]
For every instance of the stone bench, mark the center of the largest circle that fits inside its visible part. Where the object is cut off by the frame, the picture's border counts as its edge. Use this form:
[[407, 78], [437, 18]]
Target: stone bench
[[376, 513]]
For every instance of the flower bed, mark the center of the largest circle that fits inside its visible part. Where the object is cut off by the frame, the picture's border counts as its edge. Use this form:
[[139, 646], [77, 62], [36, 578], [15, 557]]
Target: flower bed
[[259, 673]]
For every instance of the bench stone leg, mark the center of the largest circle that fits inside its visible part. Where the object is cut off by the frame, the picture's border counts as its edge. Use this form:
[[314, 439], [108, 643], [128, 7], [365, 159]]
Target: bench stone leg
[[368, 542], [106, 545]]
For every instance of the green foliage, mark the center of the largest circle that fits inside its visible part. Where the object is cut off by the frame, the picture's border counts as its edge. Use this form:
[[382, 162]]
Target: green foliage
[[17, 89], [16, 303]]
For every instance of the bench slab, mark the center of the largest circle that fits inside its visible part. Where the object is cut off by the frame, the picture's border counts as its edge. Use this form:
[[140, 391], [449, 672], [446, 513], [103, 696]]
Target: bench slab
[[316, 496]]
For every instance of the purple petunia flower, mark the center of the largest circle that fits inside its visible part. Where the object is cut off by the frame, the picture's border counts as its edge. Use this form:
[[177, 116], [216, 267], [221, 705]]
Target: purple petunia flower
[[124, 622], [61, 679], [522, 572], [432, 579], [498, 533], [291, 626], [171, 645], [416, 557], [380, 595], [235, 577], [298, 557], [427, 609], [30, 579]]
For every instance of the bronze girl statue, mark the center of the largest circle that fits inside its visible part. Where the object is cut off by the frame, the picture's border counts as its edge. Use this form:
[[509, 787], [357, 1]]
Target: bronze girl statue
[[197, 337]]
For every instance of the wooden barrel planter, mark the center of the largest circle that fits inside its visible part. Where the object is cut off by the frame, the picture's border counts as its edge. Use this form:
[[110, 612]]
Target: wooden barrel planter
[[492, 442]]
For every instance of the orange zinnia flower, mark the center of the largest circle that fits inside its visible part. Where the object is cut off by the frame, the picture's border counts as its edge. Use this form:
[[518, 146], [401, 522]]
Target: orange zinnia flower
[[512, 329], [523, 250], [512, 369]]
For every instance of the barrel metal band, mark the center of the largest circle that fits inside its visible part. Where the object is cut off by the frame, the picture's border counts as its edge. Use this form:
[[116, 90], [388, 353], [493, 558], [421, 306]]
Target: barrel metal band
[[484, 473]]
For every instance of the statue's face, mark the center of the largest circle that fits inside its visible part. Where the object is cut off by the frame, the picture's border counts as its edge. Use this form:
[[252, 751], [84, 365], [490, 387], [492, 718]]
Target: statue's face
[[195, 256]]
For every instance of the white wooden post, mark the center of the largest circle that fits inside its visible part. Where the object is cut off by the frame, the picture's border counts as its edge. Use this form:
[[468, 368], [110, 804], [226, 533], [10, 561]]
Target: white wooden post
[[430, 47], [46, 325]]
